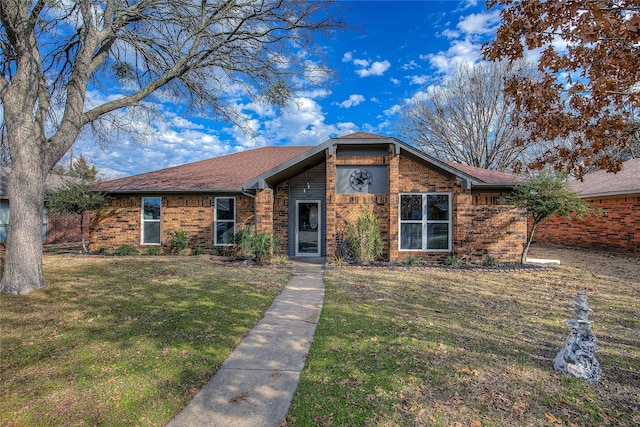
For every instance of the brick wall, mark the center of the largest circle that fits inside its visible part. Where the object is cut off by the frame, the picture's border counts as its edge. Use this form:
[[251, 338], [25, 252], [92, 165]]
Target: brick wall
[[333, 237], [120, 224], [489, 227], [343, 209], [264, 210], [483, 223], [616, 229], [281, 216], [66, 228]]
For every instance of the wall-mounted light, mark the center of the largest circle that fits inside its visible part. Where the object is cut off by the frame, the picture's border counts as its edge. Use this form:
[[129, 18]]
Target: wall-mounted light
[[308, 187]]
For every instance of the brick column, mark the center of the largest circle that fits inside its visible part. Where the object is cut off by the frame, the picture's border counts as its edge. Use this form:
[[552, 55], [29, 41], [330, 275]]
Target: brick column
[[394, 200], [330, 203], [462, 223], [264, 211]]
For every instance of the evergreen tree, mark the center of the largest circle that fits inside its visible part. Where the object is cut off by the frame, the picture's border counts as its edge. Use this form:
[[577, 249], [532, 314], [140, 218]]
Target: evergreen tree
[[77, 198]]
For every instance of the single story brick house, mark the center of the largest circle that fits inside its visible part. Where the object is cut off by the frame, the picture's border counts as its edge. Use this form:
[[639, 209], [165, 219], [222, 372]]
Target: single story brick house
[[617, 229], [306, 196]]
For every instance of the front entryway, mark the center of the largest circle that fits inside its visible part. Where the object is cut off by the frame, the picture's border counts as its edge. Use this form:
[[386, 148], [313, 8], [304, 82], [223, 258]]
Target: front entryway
[[308, 227]]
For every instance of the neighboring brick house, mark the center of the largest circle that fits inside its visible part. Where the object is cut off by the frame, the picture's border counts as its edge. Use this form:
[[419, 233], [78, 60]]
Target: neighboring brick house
[[617, 228], [55, 228], [306, 195]]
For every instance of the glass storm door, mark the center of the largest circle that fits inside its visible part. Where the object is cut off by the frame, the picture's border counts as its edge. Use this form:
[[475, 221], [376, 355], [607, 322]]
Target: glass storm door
[[308, 228]]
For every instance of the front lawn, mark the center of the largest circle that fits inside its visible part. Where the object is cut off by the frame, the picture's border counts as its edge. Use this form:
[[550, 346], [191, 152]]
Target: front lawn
[[471, 348], [123, 341]]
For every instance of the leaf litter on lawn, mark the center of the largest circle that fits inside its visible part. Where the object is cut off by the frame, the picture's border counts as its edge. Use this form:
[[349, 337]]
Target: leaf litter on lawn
[[444, 347]]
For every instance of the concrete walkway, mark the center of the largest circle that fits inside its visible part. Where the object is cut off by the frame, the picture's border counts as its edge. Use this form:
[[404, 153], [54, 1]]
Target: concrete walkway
[[254, 386]]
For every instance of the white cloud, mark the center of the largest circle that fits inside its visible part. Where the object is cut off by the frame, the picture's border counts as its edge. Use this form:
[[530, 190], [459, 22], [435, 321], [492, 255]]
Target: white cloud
[[378, 68], [353, 100], [411, 65], [479, 23], [367, 67], [395, 109], [451, 34], [418, 79], [460, 52]]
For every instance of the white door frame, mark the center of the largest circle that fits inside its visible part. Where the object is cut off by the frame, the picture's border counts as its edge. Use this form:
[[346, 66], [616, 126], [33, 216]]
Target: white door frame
[[318, 228]]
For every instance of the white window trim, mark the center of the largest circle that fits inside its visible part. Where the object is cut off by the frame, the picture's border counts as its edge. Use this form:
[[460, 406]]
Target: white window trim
[[424, 222], [143, 220], [216, 220]]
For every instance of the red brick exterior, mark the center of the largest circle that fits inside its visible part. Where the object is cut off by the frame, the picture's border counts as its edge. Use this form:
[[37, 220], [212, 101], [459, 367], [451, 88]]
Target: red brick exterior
[[482, 224], [120, 224], [281, 216], [616, 229], [66, 228]]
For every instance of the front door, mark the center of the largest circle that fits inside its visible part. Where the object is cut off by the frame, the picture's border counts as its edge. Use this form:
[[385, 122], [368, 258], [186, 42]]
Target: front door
[[308, 226]]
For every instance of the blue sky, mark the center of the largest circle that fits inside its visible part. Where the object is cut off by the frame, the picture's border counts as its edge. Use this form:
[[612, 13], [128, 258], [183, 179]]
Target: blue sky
[[402, 48]]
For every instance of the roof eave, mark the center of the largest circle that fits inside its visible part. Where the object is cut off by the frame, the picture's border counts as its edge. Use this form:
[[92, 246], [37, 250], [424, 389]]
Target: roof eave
[[493, 186], [628, 193], [173, 191]]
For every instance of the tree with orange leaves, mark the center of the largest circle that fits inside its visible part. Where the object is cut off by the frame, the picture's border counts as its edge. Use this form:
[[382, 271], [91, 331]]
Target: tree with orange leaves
[[587, 96]]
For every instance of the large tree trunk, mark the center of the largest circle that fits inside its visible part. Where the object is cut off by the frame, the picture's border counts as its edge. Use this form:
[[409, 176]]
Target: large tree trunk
[[23, 259], [25, 132]]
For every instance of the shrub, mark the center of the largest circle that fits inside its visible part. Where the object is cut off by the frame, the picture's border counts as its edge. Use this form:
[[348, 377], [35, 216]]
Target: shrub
[[259, 246], [101, 250], [452, 260], [179, 240], [489, 261], [126, 250], [411, 261], [262, 246], [154, 251], [364, 237], [197, 251], [280, 259]]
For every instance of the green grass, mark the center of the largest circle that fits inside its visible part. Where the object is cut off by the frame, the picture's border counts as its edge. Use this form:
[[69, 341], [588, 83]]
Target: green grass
[[123, 341], [463, 348]]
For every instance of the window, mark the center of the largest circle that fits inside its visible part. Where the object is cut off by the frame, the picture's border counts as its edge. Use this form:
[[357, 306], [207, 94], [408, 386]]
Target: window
[[151, 207], [425, 222], [45, 222], [225, 220], [4, 221]]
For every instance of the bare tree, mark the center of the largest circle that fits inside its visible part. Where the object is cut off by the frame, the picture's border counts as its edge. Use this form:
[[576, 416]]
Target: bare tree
[[466, 120], [53, 51]]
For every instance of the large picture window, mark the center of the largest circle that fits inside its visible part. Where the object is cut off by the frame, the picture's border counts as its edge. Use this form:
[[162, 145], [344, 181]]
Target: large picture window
[[151, 207], [425, 222], [225, 226]]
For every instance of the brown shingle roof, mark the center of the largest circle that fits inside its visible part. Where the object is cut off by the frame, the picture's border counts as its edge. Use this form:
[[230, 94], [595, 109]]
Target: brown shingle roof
[[224, 173], [228, 173], [362, 135], [602, 183], [485, 175]]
